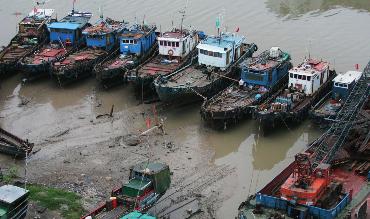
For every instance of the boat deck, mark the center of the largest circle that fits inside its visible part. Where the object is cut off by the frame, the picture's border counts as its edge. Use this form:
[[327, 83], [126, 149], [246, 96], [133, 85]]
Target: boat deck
[[118, 62], [14, 53], [233, 97], [327, 108], [81, 56], [191, 76], [46, 54], [158, 66]]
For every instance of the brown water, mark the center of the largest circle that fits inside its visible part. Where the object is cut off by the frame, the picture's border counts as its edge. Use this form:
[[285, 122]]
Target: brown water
[[334, 30]]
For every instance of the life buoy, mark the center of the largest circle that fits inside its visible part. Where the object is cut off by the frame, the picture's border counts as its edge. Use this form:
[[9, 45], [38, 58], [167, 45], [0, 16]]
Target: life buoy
[[170, 52]]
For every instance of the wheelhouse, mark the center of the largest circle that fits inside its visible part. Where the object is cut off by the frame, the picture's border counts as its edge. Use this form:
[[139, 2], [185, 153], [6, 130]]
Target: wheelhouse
[[177, 43], [137, 40], [221, 51], [266, 69], [38, 17], [103, 34], [343, 83], [69, 30], [309, 76]]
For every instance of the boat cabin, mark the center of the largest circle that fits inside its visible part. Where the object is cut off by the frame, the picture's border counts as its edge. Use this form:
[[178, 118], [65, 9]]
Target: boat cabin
[[309, 76], [266, 69], [69, 29], [137, 40], [103, 34], [38, 17], [177, 43], [13, 202], [221, 51], [343, 83]]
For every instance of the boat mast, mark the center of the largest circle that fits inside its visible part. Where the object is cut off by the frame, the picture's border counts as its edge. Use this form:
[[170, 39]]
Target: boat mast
[[183, 12]]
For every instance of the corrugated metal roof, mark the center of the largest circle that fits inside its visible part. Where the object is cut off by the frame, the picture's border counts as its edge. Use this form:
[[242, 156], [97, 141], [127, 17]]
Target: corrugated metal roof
[[10, 193], [149, 168], [64, 25], [137, 215], [348, 77], [211, 48], [226, 41]]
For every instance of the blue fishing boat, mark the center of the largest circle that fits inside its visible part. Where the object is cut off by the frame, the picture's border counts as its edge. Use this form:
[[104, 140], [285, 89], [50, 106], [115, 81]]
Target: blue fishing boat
[[65, 38], [32, 34], [325, 111], [137, 44], [260, 77], [101, 40], [213, 70]]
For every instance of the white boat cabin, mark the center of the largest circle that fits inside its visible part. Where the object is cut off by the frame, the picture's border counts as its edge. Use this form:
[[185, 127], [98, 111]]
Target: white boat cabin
[[177, 43], [309, 76], [343, 83], [221, 51]]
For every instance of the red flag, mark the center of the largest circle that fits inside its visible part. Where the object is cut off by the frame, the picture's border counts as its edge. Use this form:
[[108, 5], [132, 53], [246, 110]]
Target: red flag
[[148, 122], [34, 10], [237, 29], [357, 66]]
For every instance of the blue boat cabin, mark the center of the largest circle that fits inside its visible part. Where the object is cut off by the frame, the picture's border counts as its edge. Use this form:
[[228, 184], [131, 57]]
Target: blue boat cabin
[[266, 69], [69, 29], [103, 34], [221, 51], [343, 84], [137, 40]]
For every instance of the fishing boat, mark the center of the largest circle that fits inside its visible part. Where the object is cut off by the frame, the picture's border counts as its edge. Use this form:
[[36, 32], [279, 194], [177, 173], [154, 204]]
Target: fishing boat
[[260, 78], [13, 145], [32, 34], [65, 38], [101, 41], [324, 112], [147, 183], [175, 50], [308, 83], [215, 69], [137, 44]]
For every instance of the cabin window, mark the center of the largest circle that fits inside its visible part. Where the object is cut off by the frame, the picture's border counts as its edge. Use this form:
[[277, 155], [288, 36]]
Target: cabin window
[[308, 78], [135, 41], [300, 77], [210, 53], [161, 43], [173, 44], [177, 44], [295, 76], [291, 75], [217, 54], [165, 43], [303, 77]]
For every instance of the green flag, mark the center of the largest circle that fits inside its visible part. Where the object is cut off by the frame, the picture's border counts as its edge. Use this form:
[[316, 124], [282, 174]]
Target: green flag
[[218, 22]]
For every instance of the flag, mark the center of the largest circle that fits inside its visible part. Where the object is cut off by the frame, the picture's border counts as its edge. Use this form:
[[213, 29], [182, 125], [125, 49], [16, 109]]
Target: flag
[[357, 66], [237, 29], [218, 23]]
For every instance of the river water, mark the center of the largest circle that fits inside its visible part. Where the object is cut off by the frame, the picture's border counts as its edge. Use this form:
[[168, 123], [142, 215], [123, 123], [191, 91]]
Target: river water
[[334, 30]]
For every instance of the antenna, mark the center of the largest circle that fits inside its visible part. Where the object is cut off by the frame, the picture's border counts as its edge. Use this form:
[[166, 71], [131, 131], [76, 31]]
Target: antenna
[[101, 12], [73, 6], [183, 12]]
